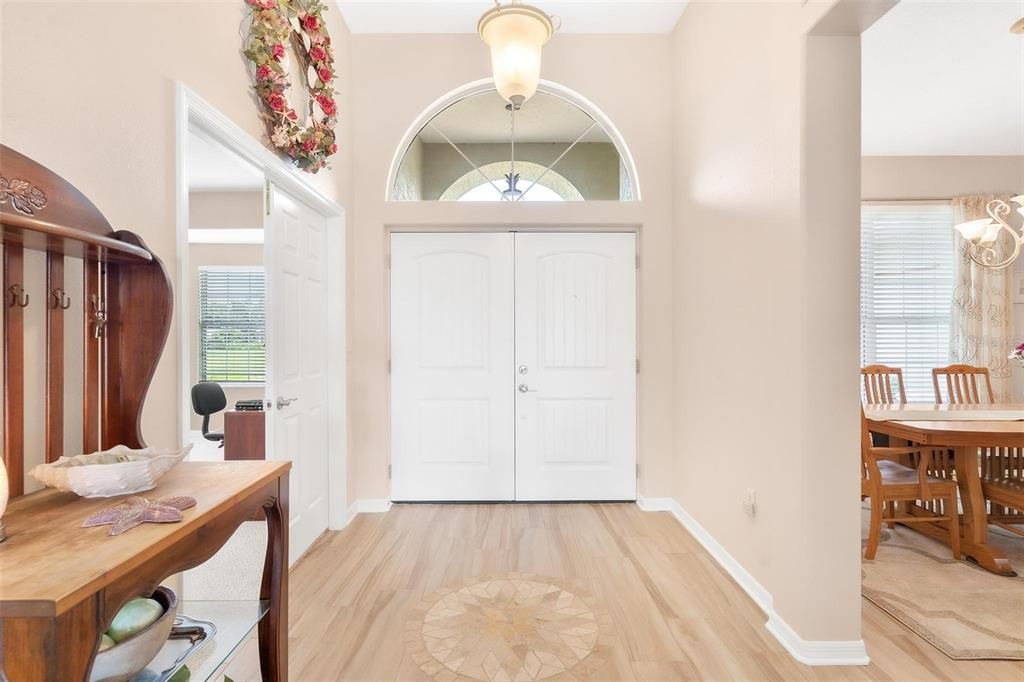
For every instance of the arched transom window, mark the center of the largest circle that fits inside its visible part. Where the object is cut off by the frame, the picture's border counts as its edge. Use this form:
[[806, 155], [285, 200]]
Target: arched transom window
[[480, 149]]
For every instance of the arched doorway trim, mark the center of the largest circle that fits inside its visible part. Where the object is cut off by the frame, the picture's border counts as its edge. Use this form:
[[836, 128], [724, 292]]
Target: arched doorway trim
[[486, 85]]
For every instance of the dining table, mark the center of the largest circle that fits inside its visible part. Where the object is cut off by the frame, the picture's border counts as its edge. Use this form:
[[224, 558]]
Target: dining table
[[967, 430]]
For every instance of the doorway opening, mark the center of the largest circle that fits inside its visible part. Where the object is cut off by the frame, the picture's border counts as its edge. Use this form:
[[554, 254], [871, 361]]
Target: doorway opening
[[226, 321], [261, 322]]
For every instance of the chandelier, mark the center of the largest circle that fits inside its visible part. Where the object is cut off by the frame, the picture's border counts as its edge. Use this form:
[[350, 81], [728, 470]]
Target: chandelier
[[983, 234], [516, 34]]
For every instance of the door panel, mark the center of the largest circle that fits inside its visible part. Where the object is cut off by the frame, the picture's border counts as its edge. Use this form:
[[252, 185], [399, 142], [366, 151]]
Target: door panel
[[575, 327], [452, 367], [296, 280]]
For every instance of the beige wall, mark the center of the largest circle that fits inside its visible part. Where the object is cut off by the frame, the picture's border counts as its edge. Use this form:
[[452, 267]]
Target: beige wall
[[626, 77], [766, 299], [101, 113], [940, 177], [906, 178], [225, 210]]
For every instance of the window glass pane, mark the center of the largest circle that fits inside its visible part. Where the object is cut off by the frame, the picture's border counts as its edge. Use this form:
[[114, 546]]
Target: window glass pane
[[479, 140], [232, 327], [907, 263]]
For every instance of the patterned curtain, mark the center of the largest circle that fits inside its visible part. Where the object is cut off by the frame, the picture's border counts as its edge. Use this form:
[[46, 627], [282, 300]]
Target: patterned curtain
[[981, 332]]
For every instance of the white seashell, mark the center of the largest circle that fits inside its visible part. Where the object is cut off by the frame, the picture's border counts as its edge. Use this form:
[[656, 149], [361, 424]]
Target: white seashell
[[118, 471]]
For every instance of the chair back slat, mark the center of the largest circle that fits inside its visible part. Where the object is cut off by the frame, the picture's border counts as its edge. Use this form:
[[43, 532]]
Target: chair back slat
[[963, 386], [878, 385]]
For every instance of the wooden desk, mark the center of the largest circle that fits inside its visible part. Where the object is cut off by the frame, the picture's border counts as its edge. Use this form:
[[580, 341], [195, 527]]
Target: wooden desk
[[964, 438], [60, 584], [245, 435]]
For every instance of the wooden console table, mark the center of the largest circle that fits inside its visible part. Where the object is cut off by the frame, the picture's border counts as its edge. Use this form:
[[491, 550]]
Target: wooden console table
[[60, 584]]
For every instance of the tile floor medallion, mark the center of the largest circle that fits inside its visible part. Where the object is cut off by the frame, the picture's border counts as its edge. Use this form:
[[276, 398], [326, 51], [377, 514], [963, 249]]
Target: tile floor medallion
[[509, 627]]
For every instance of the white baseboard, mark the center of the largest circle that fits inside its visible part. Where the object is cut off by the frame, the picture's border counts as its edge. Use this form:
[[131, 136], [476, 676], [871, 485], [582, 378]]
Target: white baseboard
[[808, 652], [817, 652], [371, 506]]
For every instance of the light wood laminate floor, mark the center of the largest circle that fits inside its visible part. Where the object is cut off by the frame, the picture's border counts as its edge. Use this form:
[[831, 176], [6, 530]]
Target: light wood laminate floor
[[639, 598]]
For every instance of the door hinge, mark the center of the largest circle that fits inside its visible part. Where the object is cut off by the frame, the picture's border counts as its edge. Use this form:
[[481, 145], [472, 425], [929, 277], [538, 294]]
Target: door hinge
[[638, 261], [638, 365], [389, 261], [638, 469], [389, 472], [389, 365], [266, 196]]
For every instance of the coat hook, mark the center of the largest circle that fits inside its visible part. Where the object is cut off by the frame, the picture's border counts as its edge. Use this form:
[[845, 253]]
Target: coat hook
[[99, 316], [19, 296], [61, 299]]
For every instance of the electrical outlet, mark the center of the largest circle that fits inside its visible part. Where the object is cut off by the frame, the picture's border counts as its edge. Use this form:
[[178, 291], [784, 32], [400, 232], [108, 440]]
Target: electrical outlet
[[750, 503]]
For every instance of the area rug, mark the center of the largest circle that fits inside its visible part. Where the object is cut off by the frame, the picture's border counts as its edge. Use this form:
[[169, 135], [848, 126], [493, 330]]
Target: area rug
[[963, 610]]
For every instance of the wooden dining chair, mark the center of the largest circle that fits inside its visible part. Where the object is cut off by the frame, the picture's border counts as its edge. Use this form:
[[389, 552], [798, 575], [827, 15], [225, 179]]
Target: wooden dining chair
[[887, 483], [962, 385], [878, 385], [1002, 469]]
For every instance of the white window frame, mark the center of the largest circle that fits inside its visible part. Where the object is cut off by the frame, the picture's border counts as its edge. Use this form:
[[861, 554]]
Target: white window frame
[[929, 295], [199, 326]]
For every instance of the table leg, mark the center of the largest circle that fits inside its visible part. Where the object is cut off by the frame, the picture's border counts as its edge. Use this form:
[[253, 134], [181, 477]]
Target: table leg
[[37, 650], [975, 517], [273, 628]]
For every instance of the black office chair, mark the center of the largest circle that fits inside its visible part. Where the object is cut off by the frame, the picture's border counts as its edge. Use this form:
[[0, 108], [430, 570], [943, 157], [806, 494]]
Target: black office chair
[[208, 398]]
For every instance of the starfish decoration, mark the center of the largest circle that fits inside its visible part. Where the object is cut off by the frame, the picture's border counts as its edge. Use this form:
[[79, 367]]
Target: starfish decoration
[[138, 510]]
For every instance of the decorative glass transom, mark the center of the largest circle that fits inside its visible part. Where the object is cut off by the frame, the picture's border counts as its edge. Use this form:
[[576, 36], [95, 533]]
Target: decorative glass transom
[[481, 149]]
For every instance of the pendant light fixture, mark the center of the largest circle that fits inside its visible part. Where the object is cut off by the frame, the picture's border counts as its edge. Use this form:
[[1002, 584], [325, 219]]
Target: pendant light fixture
[[982, 234], [516, 34]]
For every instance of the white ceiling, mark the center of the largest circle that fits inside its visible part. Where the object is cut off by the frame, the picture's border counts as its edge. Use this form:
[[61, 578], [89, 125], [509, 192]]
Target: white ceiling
[[213, 168], [460, 16], [944, 78]]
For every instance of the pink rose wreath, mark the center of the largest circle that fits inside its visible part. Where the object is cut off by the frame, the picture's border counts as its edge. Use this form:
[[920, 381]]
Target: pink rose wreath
[[275, 23]]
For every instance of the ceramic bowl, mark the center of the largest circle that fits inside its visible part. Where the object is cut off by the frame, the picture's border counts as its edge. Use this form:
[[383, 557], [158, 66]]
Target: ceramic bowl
[[130, 656], [118, 471]]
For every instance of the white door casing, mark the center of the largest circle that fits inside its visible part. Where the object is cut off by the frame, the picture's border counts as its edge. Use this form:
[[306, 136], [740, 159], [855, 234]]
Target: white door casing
[[576, 358], [451, 355], [295, 248]]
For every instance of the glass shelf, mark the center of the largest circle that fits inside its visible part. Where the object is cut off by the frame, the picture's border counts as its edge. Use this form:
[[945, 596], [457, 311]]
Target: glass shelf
[[233, 622]]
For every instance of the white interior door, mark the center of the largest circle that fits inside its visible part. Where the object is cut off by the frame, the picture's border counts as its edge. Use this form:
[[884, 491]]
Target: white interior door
[[295, 246], [576, 366], [452, 355]]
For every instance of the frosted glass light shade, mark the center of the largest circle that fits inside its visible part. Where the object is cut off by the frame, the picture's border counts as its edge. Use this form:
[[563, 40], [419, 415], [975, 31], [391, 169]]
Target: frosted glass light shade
[[974, 230], [988, 238], [516, 35]]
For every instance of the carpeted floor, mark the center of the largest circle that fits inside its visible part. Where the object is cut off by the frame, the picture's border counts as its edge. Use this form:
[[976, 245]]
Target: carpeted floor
[[964, 611]]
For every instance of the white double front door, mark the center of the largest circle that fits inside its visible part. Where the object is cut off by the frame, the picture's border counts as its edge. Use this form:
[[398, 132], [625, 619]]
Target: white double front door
[[513, 360]]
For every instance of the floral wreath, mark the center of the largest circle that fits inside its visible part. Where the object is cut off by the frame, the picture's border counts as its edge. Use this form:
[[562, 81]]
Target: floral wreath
[[274, 24]]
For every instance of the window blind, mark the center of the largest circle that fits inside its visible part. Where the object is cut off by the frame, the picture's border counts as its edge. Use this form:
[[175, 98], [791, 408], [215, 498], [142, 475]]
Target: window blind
[[232, 325], [907, 271]]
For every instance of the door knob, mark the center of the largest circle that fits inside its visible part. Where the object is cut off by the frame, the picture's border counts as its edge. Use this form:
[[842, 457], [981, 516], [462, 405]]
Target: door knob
[[284, 402], [523, 369], [523, 388]]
